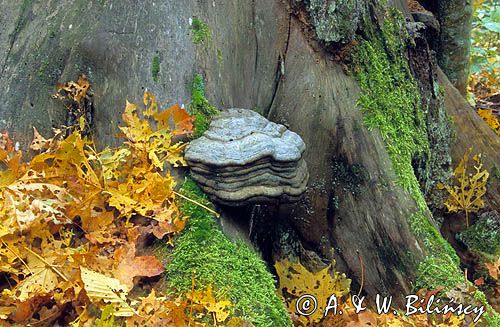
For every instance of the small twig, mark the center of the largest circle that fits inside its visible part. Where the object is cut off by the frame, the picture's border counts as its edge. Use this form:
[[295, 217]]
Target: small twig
[[47, 318], [7, 279], [362, 273], [197, 203], [192, 299], [466, 280]]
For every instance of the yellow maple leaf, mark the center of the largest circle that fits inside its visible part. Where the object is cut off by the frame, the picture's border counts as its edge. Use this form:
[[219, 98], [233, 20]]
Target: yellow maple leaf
[[296, 280], [75, 90], [42, 278], [468, 189], [219, 309], [60, 216], [12, 166], [490, 119]]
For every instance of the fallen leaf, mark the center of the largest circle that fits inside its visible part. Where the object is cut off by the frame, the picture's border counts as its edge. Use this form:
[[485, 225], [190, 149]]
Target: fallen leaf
[[39, 142], [110, 290]]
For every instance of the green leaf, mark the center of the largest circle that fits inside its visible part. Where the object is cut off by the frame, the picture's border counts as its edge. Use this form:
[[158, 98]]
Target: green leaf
[[495, 15], [492, 26]]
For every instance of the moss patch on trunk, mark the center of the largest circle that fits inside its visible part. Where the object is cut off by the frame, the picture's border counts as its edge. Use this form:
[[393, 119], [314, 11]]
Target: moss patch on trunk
[[390, 101], [155, 68], [199, 107]]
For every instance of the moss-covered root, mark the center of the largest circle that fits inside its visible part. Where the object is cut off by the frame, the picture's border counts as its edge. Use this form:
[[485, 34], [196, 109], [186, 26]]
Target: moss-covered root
[[390, 102], [233, 269]]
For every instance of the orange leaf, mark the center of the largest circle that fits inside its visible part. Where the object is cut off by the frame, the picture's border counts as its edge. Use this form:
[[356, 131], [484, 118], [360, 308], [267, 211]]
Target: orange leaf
[[181, 119], [131, 266], [366, 318], [494, 269], [479, 281]]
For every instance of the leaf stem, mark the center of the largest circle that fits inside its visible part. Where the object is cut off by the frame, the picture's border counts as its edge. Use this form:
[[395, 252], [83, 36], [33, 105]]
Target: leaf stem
[[197, 203]]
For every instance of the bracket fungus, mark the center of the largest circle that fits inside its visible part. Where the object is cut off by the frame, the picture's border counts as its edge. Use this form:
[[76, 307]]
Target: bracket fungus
[[243, 158]]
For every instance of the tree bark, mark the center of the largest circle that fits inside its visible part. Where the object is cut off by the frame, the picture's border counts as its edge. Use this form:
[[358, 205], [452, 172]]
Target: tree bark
[[259, 56], [471, 131], [455, 18]]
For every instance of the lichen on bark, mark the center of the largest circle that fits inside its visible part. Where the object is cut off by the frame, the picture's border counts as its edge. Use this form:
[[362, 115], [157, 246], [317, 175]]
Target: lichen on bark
[[335, 21]]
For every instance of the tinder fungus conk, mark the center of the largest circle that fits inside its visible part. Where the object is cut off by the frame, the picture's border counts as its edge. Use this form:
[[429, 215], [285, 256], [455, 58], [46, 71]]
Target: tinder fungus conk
[[243, 158]]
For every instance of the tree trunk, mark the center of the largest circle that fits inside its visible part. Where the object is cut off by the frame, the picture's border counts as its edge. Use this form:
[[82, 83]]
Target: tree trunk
[[453, 46], [263, 55], [455, 17]]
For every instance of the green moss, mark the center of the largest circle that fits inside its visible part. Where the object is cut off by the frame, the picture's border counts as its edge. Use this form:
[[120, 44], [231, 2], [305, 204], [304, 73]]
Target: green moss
[[199, 107], [155, 68], [484, 235], [491, 318], [432, 239], [199, 31], [233, 269], [390, 102], [437, 271], [44, 64]]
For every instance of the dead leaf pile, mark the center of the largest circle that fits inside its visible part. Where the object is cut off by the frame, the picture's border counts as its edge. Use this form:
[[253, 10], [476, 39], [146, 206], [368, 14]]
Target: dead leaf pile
[[72, 221]]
